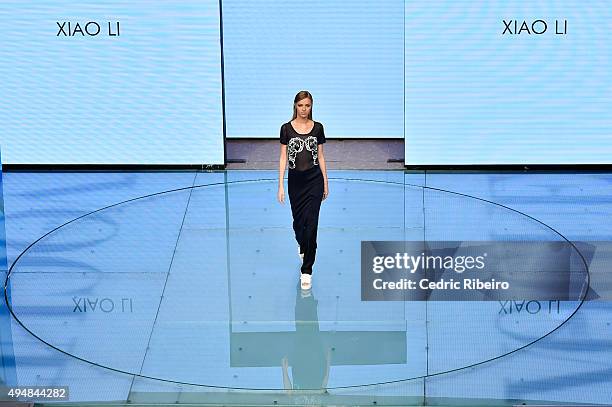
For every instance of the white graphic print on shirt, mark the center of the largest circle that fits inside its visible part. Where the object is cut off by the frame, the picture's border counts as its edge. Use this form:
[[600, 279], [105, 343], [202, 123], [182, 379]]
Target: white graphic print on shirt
[[296, 145]]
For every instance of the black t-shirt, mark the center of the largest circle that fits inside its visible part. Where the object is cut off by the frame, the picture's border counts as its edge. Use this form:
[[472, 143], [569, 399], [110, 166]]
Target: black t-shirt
[[302, 149]]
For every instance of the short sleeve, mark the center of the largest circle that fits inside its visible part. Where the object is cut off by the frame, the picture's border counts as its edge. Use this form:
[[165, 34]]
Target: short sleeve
[[284, 138], [321, 135]]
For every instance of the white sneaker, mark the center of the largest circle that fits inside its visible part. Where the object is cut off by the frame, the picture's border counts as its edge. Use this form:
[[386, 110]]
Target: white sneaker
[[305, 281], [300, 254]]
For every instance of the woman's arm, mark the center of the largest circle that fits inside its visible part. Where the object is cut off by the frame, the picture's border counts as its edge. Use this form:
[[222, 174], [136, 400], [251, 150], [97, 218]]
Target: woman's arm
[[321, 158], [282, 163]]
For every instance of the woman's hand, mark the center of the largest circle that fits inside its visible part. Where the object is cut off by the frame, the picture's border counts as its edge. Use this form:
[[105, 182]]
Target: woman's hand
[[325, 191], [281, 195]]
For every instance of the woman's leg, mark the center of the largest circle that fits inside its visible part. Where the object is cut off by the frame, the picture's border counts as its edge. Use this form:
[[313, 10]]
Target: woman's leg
[[310, 240], [311, 225], [297, 201], [305, 195]]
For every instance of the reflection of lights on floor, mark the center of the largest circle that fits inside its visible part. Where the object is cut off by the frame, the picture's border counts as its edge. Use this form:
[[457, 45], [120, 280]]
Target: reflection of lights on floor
[[184, 324], [134, 239]]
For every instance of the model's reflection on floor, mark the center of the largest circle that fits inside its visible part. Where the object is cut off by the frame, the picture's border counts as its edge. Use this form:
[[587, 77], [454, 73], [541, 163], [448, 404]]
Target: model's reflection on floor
[[307, 354], [310, 357]]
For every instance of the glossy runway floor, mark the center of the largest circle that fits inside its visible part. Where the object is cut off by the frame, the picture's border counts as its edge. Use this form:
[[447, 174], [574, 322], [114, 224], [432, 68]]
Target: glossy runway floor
[[183, 287]]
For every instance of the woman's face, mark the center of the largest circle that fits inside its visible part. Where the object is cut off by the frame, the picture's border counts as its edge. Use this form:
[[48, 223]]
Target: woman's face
[[303, 108]]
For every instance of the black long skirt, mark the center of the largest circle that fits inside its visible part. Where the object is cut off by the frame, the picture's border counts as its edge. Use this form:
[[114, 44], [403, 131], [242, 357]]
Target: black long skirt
[[305, 196]]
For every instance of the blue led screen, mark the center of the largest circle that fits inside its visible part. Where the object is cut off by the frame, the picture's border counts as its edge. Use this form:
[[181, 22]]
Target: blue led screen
[[113, 82], [507, 82]]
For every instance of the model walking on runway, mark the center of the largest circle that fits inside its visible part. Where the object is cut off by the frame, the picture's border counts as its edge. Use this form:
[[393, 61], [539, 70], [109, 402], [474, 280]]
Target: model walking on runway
[[302, 147]]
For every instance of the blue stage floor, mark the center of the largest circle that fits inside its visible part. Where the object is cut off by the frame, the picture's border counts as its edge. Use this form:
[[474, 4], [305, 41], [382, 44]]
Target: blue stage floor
[[183, 287]]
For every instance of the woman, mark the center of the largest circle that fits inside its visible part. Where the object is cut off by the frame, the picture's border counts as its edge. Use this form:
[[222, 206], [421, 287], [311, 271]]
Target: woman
[[302, 146]]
